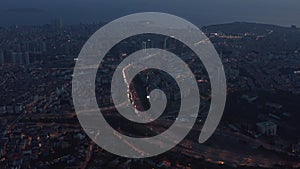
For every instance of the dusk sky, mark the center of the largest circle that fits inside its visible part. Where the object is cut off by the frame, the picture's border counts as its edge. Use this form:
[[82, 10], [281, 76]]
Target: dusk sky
[[200, 12]]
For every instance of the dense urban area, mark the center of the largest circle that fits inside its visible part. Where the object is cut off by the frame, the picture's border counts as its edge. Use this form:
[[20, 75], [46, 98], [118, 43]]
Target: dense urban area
[[259, 128]]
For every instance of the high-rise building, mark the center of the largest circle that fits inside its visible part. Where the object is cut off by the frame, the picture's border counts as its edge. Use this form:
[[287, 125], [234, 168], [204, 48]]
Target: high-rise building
[[20, 58], [26, 58], [1, 58], [44, 47], [57, 23], [147, 44], [14, 57], [17, 58]]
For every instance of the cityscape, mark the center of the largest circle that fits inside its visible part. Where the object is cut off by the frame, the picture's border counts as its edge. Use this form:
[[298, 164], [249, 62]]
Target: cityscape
[[259, 128]]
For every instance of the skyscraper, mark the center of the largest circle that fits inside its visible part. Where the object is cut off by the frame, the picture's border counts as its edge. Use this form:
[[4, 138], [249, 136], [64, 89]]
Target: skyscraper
[[57, 23], [20, 58], [16, 57], [26, 58], [1, 58]]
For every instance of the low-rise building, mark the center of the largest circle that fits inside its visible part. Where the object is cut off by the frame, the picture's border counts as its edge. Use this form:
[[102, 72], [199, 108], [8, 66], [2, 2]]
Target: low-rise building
[[267, 128]]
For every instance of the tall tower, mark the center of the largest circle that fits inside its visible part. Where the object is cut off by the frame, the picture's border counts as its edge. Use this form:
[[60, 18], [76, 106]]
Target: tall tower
[[165, 43]]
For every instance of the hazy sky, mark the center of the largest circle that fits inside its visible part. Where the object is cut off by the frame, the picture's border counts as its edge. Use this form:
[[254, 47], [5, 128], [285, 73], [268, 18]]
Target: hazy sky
[[200, 12]]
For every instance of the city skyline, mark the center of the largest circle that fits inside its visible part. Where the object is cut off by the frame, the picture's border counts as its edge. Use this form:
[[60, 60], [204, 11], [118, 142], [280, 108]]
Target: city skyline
[[65, 64], [202, 13]]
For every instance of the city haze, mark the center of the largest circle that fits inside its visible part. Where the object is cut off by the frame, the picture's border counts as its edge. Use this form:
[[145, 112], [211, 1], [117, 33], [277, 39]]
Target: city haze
[[200, 12]]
